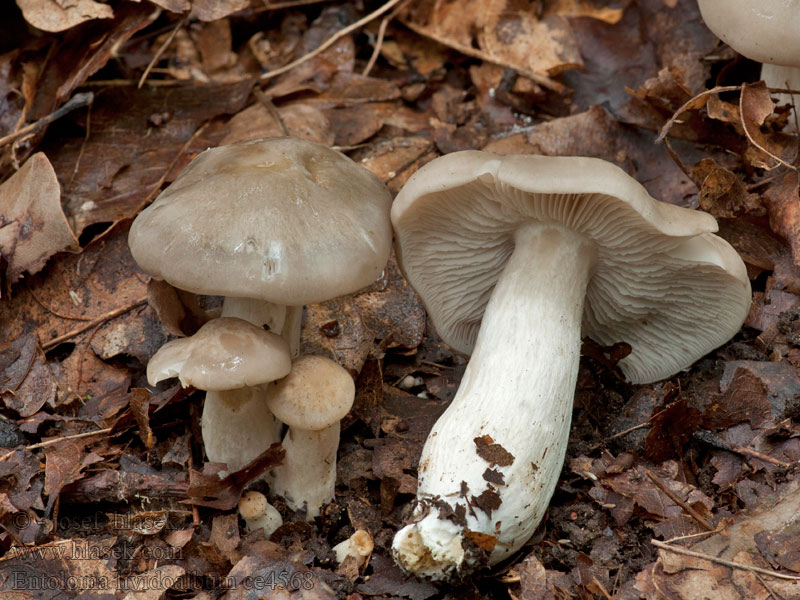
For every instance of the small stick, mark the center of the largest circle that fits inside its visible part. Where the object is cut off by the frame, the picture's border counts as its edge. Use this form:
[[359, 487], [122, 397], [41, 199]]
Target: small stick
[[603, 590], [273, 110], [58, 440], [379, 41], [684, 505], [722, 561], [77, 101], [330, 41], [89, 324], [161, 50]]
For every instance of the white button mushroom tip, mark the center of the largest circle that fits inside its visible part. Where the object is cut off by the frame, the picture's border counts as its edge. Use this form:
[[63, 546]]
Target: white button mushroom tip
[[258, 513], [359, 546], [516, 258]]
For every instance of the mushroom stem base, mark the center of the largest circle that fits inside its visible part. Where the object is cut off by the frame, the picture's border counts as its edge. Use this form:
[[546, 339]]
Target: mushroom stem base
[[307, 477]]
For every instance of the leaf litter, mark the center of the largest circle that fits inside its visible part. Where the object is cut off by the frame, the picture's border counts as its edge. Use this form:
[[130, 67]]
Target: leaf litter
[[670, 488]]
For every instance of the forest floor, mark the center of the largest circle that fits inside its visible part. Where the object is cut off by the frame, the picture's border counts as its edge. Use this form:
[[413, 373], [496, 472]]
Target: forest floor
[[104, 489]]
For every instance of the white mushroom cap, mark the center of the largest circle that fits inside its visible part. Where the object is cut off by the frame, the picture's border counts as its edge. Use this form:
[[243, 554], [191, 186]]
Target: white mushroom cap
[[767, 30], [315, 395], [662, 283], [225, 354], [258, 513], [283, 220]]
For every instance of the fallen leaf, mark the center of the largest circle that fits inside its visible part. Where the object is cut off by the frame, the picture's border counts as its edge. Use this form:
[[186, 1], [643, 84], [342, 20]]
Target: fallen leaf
[[32, 224], [53, 16], [26, 382]]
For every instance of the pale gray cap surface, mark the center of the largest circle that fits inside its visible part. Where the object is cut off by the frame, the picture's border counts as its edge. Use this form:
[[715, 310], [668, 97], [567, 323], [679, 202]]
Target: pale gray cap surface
[[225, 354], [662, 283], [282, 219], [315, 395], [764, 30]]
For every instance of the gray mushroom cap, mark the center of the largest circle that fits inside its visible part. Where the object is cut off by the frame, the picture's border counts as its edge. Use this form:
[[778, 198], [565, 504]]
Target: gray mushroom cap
[[662, 282], [767, 30], [284, 220], [225, 354]]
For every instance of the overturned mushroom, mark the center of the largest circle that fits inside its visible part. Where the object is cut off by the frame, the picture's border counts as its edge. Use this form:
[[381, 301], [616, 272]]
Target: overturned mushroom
[[515, 258], [359, 546], [311, 400], [230, 359]]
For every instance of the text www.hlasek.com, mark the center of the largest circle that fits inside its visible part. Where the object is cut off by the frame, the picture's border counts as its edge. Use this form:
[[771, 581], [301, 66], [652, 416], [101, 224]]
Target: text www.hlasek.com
[[157, 580]]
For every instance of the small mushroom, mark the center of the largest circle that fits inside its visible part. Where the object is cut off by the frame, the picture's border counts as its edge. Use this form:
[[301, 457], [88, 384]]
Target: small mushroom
[[311, 400], [359, 546], [516, 258], [271, 225], [230, 359], [767, 31], [258, 513]]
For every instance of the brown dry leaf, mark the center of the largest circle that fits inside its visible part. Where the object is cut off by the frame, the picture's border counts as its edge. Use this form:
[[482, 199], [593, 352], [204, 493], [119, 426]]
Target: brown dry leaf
[[301, 119], [63, 465], [26, 382], [388, 580], [678, 576], [125, 158], [671, 427], [213, 10], [755, 105], [505, 32], [745, 399], [151, 585], [722, 192], [783, 206], [139, 402], [225, 536], [32, 224], [209, 490], [53, 16], [58, 563]]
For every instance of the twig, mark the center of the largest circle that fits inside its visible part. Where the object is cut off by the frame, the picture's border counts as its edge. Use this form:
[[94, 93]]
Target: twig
[[752, 140], [161, 49], [289, 4], [635, 427], [684, 505], [379, 40], [17, 552], [770, 591], [89, 324], [603, 590], [691, 103], [760, 456], [331, 40], [722, 561], [58, 440], [273, 110], [79, 100], [542, 80]]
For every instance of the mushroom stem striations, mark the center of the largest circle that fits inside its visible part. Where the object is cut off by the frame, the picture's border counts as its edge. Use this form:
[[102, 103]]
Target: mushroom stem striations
[[513, 410]]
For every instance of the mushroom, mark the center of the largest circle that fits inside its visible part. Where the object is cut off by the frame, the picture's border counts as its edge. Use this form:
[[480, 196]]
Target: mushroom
[[270, 224], [359, 546], [230, 359], [311, 400], [767, 31], [515, 258], [258, 513]]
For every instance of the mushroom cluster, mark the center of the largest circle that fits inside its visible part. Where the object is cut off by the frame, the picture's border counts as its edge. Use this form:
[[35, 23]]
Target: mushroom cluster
[[516, 258], [270, 225]]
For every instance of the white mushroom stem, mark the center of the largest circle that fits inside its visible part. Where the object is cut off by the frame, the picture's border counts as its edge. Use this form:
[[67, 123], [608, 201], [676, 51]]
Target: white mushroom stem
[[237, 426], [307, 476], [279, 318], [517, 389], [359, 546], [777, 76]]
